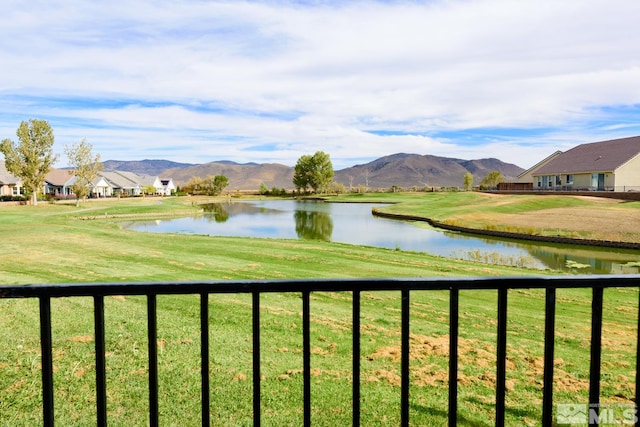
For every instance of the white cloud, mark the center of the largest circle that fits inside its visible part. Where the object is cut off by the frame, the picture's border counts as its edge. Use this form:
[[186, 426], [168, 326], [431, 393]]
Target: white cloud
[[228, 80]]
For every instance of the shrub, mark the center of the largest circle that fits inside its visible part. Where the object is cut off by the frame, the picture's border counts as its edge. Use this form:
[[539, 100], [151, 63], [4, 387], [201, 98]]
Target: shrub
[[13, 199]]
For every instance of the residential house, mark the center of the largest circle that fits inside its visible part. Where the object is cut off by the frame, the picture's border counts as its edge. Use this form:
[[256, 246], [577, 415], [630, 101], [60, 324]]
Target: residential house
[[148, 181], [123, 183], [58, 182], [607, 165], [9, 185], [168, 187], [527, 176], [100, 187], [132, 184]]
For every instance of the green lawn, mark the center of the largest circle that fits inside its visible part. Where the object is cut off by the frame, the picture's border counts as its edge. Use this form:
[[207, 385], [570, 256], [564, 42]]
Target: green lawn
[[49, 244], [553, 215]]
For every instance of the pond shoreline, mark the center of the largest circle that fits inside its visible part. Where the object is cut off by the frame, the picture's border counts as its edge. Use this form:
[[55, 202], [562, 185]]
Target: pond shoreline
[[510, 235]]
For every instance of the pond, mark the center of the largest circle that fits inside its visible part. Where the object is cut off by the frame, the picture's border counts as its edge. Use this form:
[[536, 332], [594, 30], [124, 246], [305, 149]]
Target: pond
[[354, 224]]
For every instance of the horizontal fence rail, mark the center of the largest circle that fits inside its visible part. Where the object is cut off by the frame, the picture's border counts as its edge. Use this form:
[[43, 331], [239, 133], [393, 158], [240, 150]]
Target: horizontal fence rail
[[305, 287]]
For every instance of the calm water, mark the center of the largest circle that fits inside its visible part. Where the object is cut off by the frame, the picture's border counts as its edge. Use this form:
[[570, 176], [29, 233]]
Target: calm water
[[354, 224]]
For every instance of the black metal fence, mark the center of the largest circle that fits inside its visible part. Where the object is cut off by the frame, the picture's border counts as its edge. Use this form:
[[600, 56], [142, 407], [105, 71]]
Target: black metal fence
[[305, 287]]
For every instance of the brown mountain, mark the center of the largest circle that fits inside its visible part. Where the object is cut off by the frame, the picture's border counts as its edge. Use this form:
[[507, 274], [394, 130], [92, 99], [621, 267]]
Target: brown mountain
[[404, 170], [142, 167], [247, 176], [408, 170]]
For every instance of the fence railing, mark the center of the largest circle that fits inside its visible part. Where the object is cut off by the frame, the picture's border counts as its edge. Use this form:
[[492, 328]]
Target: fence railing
[[306, 287]]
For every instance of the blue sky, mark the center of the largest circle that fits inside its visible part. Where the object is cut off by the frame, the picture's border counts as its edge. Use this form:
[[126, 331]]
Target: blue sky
[[269, 81]]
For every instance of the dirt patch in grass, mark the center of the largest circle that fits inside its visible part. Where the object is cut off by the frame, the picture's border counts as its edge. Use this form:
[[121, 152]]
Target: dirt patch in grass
[[429, 356], [607, 221], [82, 338]]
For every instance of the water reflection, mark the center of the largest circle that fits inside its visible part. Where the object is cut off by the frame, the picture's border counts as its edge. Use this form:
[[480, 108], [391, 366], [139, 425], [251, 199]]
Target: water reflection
[[354, 224], [216, 211], [313, 225], [541, 255]]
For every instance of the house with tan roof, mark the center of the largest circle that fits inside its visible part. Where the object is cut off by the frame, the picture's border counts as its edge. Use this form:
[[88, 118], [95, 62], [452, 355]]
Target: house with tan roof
[[123, 183], [133, 184], [58, 182], [612, 165], [9, 185]]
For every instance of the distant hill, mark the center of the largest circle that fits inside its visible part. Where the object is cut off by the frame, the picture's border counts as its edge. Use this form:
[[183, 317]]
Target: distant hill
[[247, 176], [143, 167], [404, 170], [408, 170]]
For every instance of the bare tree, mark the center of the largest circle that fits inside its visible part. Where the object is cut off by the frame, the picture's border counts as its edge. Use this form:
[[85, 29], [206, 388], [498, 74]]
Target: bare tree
[[86, 168]]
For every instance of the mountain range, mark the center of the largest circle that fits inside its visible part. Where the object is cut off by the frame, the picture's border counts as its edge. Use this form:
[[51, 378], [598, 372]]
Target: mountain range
[[403, 170]]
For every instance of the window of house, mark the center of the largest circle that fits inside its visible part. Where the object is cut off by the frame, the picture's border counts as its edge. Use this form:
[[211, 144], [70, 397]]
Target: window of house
[[569, 179]]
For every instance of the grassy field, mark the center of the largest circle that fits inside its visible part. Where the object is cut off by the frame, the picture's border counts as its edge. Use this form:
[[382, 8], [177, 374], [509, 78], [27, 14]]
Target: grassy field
[[50, 244], [551, 215]]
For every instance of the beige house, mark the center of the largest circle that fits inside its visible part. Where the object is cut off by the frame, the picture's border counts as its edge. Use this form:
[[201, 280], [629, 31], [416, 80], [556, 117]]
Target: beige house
[[9, 184], [527, 176], [58, 182], [599, 166]]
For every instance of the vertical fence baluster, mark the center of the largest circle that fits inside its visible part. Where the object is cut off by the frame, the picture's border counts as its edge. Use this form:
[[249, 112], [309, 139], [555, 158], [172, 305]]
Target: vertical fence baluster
[[404, 368], [453, 356], [101, 379], [501, 361], [596, 342], [152, 340], [637, 401], [47, 361], [549, 343], [356, 357], [256, 357], [204, 357], [306, 358]]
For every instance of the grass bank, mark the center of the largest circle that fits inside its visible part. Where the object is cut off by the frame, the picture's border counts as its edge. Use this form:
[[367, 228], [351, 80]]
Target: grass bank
[[576, 217], [50, 244]]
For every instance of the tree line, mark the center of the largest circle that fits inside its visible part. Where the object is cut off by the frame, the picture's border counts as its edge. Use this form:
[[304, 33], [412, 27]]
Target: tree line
[[32, 156]]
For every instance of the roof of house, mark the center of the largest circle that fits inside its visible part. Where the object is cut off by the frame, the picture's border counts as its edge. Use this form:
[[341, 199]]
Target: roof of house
[[594, 157], [121, 179], [5, 176], [147, 179], [59, 177], [541, 162]]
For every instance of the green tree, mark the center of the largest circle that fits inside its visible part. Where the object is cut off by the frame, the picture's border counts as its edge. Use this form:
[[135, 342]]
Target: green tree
[[264, 190], [220, 182], [492, 179], [31, 158], [209, 186], [468, 181], [313, 172], [86, 168], [149, 189]]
